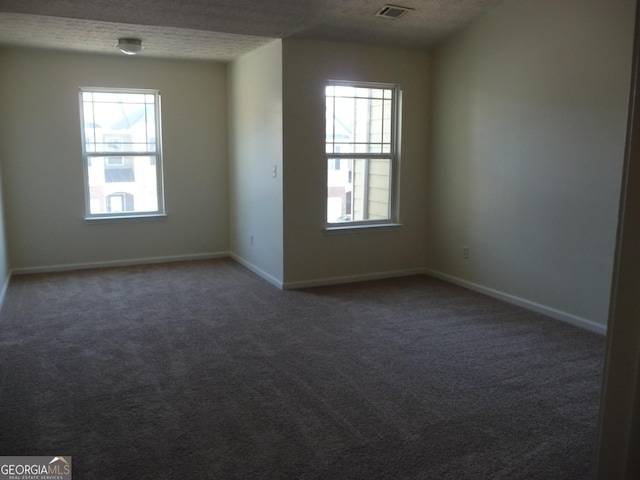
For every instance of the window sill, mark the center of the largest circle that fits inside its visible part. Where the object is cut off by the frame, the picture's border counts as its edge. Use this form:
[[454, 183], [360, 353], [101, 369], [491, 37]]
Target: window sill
[[382, 227], [129, 218]]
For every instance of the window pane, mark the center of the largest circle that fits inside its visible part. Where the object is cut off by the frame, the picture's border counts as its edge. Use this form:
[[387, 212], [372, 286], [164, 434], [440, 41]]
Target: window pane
[[339, 190], [344, 91], [358, 120], [127, 185], [130, 116], [330, 130], [359, 190]]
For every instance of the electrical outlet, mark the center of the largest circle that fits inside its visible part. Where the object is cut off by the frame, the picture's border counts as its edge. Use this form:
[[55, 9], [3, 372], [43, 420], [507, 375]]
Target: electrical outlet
[[251, 240], [465, 252]]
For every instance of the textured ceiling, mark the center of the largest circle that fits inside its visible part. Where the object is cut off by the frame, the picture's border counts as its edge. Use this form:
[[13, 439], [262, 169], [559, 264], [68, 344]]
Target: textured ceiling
[[225, 29], [101, 37]]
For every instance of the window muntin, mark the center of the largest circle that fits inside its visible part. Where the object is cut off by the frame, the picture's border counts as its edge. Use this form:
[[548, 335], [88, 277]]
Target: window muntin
[[122, 154], [361, 151]]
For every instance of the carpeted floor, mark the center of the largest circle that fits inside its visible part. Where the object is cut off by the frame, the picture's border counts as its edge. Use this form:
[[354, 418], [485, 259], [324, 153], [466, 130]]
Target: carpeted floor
[[201, 370]]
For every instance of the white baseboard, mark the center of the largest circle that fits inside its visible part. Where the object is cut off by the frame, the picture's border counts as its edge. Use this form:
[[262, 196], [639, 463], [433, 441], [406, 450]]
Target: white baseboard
[[320, 282], [118, 263], [521, 302], [258, 271]]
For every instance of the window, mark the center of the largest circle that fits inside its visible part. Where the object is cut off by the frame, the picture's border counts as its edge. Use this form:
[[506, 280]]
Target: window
[[362, 154], [121, 151]]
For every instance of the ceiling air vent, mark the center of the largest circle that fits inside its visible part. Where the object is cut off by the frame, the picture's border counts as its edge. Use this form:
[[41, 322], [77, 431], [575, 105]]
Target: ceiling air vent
[[392, 11]]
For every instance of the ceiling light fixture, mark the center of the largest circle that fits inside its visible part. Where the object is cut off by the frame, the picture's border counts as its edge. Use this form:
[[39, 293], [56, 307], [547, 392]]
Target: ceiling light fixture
[[129, 46]]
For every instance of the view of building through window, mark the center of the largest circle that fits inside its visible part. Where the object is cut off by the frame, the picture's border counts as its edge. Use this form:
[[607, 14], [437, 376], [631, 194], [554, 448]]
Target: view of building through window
[[121, 149], [361, 152]]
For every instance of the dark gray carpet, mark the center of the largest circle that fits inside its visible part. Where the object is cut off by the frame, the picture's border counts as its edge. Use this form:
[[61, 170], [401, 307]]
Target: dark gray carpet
[[201, 370]]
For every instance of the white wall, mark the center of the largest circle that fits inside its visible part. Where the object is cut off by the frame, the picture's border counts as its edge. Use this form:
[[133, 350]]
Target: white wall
[[528, 134], [41, 152], [255, 118], [311, 255]]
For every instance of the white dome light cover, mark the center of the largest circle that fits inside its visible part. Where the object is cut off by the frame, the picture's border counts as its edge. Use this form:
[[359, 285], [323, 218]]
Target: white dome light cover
[[129, 46]]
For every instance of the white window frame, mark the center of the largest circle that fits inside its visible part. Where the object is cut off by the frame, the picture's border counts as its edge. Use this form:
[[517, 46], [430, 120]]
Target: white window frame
[[106, 153], [393, 156]]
